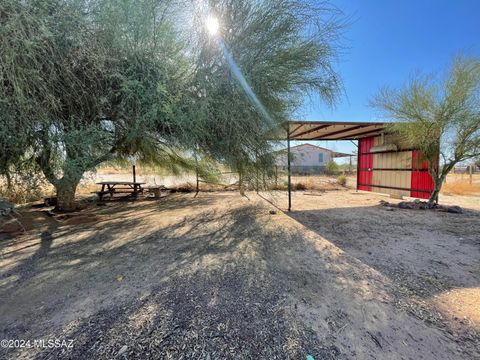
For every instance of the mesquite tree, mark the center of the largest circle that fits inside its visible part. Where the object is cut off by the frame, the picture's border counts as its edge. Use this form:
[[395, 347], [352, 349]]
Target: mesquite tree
[[252, 74], [85, 81], [441, 118]]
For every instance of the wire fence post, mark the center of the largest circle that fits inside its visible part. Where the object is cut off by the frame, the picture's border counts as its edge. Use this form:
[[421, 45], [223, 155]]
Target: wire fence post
[[288, 169]]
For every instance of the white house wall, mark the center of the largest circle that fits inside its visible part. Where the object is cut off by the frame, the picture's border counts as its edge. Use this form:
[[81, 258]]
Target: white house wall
[[305, 156]]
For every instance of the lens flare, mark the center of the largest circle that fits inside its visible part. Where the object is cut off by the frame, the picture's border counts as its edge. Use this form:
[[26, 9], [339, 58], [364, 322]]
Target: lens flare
[[212, 25], [245, 85]]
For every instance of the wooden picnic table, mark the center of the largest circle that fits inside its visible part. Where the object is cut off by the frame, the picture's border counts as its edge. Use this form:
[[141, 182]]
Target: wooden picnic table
[[133, 188]]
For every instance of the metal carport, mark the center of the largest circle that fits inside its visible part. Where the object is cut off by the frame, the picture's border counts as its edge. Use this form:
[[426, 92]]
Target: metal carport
[[383, 167]]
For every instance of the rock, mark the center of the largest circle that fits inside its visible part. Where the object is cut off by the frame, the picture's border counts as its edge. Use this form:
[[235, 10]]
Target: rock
[[6, 208], [455, 209], [405, 205], [122, 349]]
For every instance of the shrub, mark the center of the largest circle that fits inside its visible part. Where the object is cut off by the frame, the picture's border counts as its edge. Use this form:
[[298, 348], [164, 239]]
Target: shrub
[[25, 188], [299, 186], [184, 188], [342, 180], [332, 168]]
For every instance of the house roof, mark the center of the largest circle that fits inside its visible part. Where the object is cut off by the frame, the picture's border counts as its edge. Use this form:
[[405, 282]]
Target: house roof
[[311, 145], [334, 153], [332, 130]]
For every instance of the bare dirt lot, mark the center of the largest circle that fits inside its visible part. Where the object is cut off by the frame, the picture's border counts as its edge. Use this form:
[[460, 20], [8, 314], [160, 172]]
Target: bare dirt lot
[[219, 276]]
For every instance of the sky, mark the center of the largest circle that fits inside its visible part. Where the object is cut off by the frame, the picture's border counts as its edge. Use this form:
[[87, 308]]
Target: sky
[[385, 42]]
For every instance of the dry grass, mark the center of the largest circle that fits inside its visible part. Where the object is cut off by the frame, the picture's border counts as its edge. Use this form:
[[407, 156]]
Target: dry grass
[[315, 183], [87, 188], [122, 169], [20, 194], [461, 187], [204, 187], [110, 170]]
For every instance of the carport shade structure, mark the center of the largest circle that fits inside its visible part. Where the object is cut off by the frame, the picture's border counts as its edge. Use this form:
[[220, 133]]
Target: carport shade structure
[[327, 130], [397, 170]]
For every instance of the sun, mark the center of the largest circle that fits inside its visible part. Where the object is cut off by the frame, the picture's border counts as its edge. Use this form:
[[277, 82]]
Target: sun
[[212, 25]]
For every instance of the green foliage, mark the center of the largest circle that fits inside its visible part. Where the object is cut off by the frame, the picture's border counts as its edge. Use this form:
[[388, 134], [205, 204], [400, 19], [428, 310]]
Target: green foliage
[[342, 180], [284, 51], [23, 185], [84, 82], [332, 168], [439, 117], [89, 81]]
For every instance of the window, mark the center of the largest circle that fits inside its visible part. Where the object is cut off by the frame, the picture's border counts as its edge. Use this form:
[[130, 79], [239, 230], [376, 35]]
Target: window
[[320, 158]]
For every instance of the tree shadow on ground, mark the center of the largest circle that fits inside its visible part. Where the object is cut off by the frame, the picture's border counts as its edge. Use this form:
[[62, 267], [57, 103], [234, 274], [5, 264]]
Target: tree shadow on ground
[[199, 281], [424, 254], [405, 245], [203, 290]]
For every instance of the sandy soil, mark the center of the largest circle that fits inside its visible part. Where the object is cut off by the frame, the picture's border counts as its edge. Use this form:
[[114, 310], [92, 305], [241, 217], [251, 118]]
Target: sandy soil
[[220, 276]]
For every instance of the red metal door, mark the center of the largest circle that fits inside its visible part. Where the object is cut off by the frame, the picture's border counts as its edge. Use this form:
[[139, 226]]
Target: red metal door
[[365, 164]]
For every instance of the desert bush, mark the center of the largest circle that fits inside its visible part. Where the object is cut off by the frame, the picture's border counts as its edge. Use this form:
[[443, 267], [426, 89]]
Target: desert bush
[[300, 186], [24, 188], [342, 180], [332, 168], [281, 185], [185, 188]]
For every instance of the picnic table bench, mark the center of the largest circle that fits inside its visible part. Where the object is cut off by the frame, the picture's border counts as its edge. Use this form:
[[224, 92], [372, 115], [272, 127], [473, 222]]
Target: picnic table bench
[[119, 187]]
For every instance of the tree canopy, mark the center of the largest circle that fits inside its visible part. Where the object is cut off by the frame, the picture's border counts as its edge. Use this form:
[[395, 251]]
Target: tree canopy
[[85, 81]]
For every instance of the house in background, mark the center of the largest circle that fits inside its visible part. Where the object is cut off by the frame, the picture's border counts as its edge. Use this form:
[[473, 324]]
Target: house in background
[[307, 159]]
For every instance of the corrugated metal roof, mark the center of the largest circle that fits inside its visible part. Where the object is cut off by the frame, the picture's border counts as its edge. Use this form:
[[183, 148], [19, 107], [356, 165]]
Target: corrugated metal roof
[[333, 130]]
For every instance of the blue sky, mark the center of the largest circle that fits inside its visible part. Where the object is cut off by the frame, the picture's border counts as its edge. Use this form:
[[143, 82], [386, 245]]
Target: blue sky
[[386, 42]]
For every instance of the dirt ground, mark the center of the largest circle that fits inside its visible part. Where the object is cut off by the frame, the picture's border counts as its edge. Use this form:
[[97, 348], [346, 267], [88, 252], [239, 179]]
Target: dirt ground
[[222, 277]]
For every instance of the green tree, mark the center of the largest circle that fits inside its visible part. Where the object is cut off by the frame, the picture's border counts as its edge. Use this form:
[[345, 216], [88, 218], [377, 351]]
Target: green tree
[[440, 117], [86, 81], [255, 72]]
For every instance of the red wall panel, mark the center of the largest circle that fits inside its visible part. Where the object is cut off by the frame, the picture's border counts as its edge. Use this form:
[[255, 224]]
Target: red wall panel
[[421, 181], [365, 164], [421, 178]]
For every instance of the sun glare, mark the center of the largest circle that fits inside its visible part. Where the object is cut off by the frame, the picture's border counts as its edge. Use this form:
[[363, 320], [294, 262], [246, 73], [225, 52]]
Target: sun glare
[[212, 25]]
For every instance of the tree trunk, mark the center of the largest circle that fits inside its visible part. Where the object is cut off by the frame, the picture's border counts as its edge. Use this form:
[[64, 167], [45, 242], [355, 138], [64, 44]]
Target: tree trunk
[[436, 190], [9, 180], [66, 195], [240, 184]]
